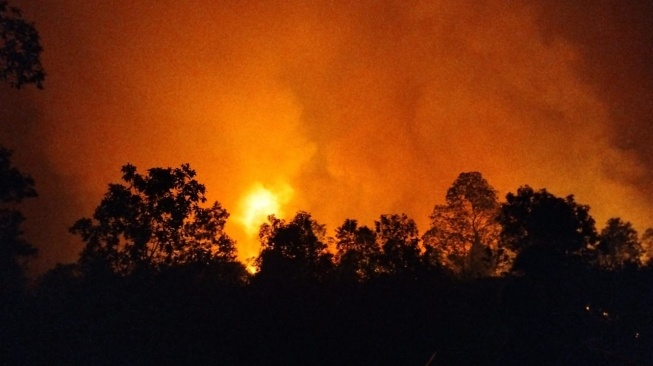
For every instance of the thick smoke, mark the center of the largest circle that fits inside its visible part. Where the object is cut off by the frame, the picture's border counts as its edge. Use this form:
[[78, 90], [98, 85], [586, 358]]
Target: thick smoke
[[360, 108], [614, 39]]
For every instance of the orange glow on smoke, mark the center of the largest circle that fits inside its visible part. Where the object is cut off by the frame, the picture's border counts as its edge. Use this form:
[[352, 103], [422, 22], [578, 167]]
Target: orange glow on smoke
[[342, 109]]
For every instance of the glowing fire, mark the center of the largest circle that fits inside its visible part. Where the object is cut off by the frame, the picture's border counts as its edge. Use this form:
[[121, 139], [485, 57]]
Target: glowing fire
[[259, 203]]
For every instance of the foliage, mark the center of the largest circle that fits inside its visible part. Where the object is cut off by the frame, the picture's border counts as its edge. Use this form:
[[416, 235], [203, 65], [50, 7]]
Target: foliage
[[20, 64], [14, 185], [538, 218], [358, 253], [618, 245], [464, 233], [294, 250], [398, 238], [394, 313], [20, 49], [549, 234], [14, 249], [156, 221]]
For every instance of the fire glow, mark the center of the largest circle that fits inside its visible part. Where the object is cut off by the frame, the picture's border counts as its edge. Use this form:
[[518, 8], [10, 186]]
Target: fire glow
[[260, 202]]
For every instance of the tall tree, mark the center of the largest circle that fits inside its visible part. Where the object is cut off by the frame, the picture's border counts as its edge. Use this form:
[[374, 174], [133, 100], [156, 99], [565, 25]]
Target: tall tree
[[538, 225], [357, 253], [14, 249], [398, 238], [293, 250], [464, 232], [154, 222], [618, 245], [20, 49]]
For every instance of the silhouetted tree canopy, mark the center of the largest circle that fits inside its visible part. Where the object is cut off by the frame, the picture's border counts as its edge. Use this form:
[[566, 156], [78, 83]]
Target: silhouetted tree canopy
[[398, 239], [539, 220], [156, 221], [14, 249], [20, 49], [464, 232], [618, 245], [358, 253], [293, 250], [378, 301]]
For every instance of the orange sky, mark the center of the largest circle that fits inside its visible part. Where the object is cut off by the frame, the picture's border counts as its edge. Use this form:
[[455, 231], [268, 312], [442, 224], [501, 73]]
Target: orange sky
[[347, 109]]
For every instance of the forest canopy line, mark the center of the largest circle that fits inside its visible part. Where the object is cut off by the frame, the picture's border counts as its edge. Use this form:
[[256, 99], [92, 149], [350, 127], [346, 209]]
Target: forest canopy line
[[160, 220], [157, 220], [155, 249]]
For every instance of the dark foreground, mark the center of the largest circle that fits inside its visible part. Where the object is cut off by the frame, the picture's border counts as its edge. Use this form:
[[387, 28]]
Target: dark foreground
[[603, 319]]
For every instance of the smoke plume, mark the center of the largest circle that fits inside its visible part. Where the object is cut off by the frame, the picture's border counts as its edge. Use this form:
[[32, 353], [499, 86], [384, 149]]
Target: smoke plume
[[351, 109]]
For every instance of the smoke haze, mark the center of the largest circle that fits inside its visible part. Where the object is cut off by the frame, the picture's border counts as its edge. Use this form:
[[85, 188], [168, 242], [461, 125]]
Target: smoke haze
[[349, 110]]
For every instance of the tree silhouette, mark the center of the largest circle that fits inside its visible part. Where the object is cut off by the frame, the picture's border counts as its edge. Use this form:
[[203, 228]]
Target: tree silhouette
[[358, 253], [543, 229], [398, 239], [464, 233], [618, 245], [20, 64], [20, 49], [294, 250], [647, 245], [14, 249], [154, 222]]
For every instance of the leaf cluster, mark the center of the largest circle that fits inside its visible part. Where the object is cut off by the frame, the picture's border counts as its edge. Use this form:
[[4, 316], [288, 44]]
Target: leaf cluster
[[155, 220], [20, 49]]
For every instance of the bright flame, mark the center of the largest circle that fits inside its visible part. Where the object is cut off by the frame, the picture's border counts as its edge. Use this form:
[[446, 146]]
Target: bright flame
[[252, 269], [259, 203]]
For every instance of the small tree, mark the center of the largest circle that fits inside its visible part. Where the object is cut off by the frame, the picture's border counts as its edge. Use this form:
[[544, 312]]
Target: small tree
[[618, 245], [154, 222]]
